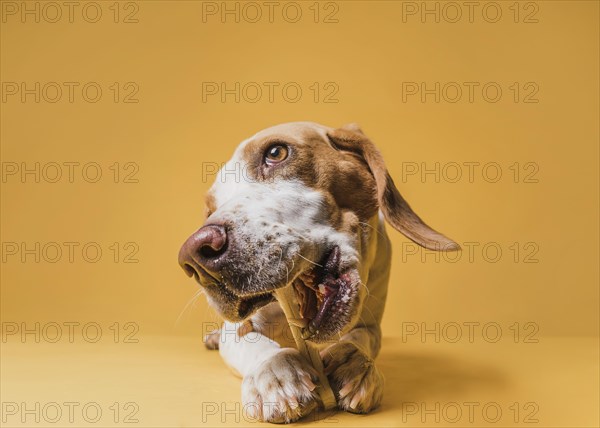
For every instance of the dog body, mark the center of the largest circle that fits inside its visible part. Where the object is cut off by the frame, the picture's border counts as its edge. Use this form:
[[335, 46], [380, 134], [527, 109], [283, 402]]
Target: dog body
[[302, 205]]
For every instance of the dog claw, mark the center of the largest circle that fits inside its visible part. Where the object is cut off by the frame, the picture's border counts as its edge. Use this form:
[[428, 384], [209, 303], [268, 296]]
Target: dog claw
[[345, 390]]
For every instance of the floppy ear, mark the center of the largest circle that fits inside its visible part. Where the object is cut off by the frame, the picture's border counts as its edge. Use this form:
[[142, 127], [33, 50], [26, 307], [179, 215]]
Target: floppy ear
[[395, 209]]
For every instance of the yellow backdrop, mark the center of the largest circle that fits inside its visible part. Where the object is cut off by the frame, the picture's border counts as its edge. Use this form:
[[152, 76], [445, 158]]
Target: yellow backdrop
[[114, 115]]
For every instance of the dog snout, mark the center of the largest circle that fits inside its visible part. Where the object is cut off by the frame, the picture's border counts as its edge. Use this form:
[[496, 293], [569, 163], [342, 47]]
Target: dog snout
[[204, 250]]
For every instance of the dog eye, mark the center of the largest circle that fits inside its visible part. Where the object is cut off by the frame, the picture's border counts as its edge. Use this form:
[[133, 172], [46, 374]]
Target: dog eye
[[276, 154]]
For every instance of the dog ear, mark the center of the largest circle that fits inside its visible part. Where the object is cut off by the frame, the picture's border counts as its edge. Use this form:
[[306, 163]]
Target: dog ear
[[394, 207]]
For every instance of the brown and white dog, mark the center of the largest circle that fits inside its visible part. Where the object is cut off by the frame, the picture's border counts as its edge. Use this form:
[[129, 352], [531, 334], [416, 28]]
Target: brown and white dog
[[302, 205]]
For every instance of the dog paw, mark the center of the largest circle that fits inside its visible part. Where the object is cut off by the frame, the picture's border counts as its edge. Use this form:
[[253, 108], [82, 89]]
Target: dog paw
[[211, 340], [354, 377], [281, 389]]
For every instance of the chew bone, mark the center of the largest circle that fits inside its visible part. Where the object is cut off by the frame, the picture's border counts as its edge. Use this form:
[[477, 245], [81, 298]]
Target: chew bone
[[286, 299]]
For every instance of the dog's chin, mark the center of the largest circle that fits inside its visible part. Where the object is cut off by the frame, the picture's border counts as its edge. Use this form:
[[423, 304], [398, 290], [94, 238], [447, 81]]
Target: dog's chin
[[228, 304], [246, 306], [234, 308]]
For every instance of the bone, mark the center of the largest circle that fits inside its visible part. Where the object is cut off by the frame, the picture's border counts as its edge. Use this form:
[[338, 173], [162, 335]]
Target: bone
[[286, 298], [298, 322]]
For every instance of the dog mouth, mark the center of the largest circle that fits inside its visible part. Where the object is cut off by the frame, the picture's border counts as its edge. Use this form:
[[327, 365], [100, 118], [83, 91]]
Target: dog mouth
[[324, 294]]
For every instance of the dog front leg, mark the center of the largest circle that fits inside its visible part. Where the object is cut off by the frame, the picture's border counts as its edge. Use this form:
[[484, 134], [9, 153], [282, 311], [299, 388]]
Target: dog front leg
[[350, 367], [278, 383]]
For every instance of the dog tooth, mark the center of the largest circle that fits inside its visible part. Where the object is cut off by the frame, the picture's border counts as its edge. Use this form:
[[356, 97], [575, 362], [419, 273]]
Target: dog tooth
[[309, 330]]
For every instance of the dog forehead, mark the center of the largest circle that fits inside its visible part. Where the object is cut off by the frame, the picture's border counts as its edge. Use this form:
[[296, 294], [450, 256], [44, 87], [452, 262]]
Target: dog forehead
[[298, 133]]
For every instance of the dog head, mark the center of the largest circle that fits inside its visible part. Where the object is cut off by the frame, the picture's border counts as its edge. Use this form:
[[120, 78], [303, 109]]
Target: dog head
[[292, 207]]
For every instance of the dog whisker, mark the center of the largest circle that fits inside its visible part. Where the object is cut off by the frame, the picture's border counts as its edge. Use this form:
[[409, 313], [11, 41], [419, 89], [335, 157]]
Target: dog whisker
[[287, 273], [310, 261], [369, 292], [189, 303], [280, 257], [378, 232], [370, 312]]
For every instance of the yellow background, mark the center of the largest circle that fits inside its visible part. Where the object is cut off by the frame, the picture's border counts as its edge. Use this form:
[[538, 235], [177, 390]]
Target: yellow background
[[170, 132]]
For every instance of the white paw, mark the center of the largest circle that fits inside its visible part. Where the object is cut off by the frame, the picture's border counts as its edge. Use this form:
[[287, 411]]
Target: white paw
[[354, 377], [281, 389]]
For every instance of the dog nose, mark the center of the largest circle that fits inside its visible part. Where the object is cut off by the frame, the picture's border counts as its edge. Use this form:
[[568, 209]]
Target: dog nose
[[203, 249]]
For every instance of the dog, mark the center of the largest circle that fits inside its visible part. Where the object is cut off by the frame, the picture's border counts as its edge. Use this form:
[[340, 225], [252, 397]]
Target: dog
[[305, 206]]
